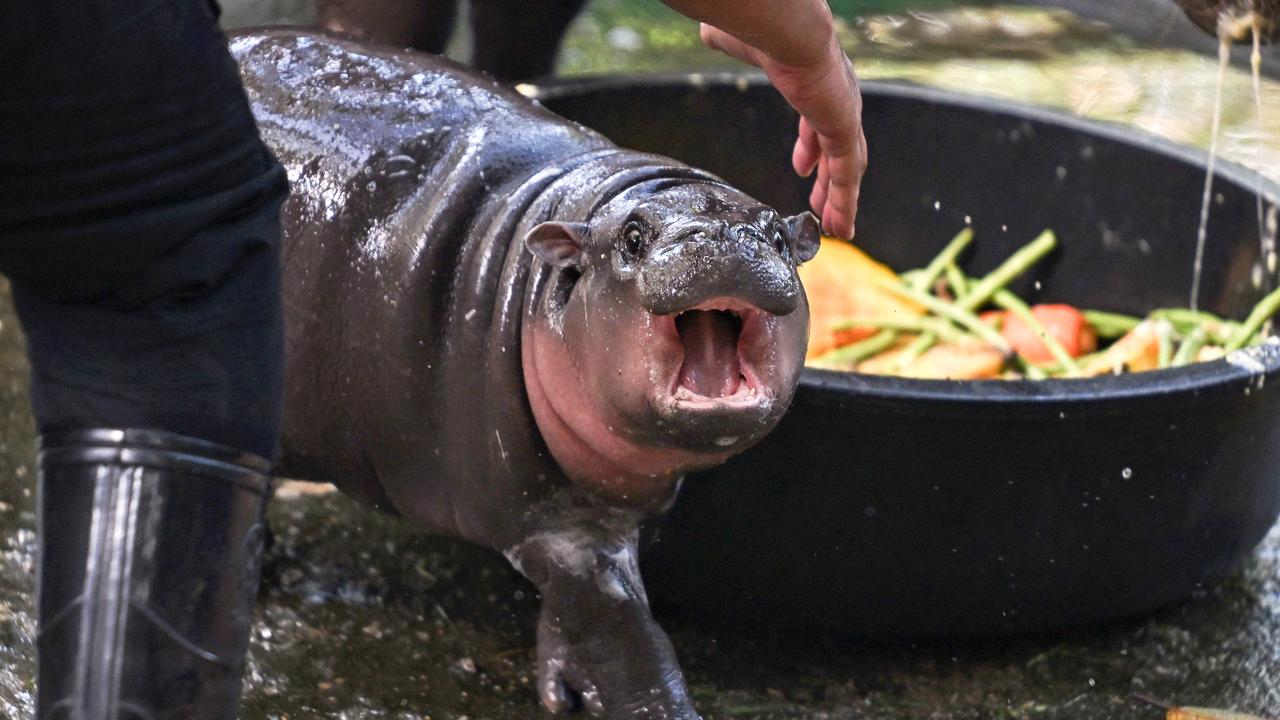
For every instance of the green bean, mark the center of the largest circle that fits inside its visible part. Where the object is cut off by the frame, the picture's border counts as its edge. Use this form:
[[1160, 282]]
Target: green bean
[[956, 314], [1084, 360], [1185, 321], [1164, 343], [859, 351], [1014, 304], [1261, 313], [948, 255], [909, 277], [959, 285], [1110, 325], [905, 324], [1186, 316], [1191, 345], [917, 348], [956, 279], [1030, 369], [1018, 263]]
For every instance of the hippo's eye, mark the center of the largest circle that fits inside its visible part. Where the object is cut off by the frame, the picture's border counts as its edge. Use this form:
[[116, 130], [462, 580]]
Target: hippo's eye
[[633, 240]]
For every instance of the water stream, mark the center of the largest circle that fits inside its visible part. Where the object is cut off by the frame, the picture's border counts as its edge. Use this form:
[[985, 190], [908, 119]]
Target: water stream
[[1224, 57]]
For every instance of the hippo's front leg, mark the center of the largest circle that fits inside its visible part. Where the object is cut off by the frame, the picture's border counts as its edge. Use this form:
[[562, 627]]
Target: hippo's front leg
[[598, 644]]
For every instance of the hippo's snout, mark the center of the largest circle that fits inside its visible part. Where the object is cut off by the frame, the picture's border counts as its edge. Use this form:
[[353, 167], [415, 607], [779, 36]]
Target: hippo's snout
[[739, 262]]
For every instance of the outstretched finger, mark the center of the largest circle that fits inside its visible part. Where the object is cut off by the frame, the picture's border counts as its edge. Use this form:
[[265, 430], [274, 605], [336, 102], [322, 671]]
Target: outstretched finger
[[845, 178], [807, 151], [818, 196]]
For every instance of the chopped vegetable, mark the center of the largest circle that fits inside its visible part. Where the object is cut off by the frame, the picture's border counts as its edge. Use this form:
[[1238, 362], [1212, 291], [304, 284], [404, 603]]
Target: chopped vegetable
[[837, 283], [936, 322], [1062, 325], [1138, 350], [1261, 313], [946, 258], [1018, 263], [950, 311], [845, 358], [1110, 325], [1190, 347], [963, 359]]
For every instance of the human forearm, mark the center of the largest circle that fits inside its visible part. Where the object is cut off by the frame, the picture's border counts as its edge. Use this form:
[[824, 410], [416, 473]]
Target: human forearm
[[795, 44], [797, 33]]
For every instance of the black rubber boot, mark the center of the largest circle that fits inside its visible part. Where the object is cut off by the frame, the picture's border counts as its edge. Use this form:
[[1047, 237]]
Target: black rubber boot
[[151, 545]]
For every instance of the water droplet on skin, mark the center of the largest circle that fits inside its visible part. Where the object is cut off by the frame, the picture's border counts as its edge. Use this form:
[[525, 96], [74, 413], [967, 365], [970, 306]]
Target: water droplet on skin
[[1126, 473], [869, 512], [726, 441], [937, 204], [968, 220]]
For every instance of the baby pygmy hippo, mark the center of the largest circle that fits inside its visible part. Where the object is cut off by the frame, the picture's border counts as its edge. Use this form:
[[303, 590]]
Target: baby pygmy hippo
[[504, 328]]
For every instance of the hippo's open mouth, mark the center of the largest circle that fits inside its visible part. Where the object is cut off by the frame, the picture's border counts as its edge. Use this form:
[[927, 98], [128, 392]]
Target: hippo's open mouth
[[716, 366]]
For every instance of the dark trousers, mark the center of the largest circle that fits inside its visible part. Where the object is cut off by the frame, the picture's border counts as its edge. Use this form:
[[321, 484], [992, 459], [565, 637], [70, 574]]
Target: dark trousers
[[139, 221]]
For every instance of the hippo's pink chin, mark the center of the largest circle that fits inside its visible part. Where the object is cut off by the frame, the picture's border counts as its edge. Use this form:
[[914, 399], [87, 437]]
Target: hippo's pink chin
[[711, 394]]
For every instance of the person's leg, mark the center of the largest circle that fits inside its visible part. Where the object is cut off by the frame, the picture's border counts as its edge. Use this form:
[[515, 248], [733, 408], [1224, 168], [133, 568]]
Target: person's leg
[[516, 40], [138, 225]]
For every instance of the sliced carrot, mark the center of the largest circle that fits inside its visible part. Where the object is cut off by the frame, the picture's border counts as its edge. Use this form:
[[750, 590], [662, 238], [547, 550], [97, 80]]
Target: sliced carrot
[[837, 283]]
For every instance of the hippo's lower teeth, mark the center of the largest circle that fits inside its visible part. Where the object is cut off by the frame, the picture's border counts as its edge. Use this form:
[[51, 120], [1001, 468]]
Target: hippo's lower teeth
[[710, 339]]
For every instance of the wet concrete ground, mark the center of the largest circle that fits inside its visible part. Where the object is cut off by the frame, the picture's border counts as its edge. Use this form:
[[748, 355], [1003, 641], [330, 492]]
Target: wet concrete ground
[[360, 616]]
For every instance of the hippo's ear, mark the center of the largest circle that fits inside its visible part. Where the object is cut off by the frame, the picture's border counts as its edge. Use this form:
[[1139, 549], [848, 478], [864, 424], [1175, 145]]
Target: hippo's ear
[[805, 234], [557, 243]]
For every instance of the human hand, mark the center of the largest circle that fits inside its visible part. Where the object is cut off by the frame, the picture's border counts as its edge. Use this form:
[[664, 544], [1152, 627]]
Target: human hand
[[825, 93]]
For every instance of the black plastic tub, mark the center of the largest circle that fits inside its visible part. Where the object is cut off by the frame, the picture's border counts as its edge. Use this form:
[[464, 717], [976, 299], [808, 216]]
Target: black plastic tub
[[886, 506]]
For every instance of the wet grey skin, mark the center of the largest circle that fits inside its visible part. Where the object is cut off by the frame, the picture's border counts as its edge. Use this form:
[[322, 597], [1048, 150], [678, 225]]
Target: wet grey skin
[[1207, 14], [447, 244]]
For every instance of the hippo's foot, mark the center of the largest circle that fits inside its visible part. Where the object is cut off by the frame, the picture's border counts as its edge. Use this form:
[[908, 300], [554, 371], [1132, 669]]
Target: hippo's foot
[[609, 678], [599, 648]]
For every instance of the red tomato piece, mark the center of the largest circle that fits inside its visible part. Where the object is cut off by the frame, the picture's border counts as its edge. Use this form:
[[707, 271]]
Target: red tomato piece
[[1065, 323]]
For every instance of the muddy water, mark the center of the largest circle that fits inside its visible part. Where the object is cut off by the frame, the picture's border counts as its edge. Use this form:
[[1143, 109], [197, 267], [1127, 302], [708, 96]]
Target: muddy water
[[362, 617]]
